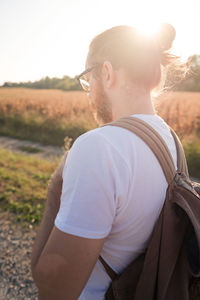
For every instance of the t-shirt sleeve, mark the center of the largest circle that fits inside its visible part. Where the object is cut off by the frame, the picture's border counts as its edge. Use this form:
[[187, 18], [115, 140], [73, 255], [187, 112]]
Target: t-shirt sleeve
[[88, 199]]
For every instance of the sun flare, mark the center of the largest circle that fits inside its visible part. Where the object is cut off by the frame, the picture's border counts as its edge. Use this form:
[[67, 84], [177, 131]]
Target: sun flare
[[148, 29]]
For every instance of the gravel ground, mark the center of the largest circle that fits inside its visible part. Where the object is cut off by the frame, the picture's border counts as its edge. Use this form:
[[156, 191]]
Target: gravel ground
[[15, 251]]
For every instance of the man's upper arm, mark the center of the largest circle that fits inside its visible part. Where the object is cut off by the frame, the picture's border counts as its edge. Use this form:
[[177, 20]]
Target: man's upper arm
[[65, 265], [88, 201], [87, 211]]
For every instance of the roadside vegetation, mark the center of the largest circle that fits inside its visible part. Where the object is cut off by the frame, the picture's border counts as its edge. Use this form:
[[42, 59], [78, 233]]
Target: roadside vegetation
[[24, 181]]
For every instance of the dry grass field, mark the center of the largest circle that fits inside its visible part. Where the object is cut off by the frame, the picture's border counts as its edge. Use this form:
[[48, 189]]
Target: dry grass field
[[181, 110], [45, 116], [54, 105]]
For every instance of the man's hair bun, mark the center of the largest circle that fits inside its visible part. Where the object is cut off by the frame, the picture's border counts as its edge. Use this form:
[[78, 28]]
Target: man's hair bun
[[166, 36]]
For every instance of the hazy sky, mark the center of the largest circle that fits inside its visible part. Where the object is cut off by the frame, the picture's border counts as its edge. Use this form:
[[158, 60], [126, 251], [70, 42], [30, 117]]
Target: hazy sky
[[51, 37]]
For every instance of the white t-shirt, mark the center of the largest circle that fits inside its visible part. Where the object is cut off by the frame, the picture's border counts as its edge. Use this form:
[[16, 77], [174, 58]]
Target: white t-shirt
[[113, 187]]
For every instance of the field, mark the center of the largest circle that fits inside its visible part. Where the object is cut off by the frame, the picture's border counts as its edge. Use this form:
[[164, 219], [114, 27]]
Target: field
[[23, 187], [52, 116], [181, 110], [46, 116]]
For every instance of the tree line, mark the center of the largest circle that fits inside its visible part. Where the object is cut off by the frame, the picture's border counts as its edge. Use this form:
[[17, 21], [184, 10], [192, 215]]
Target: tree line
[[66, 84], [183, 77]]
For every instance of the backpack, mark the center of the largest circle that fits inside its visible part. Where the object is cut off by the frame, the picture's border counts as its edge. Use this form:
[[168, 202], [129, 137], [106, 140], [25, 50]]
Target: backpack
[[170, 267]]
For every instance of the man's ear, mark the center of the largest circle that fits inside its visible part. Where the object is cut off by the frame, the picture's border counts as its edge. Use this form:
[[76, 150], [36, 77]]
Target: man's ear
[[109, 75]]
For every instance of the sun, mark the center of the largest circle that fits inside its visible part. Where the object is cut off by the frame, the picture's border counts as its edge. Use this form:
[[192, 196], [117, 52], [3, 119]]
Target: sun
[[148, 29]]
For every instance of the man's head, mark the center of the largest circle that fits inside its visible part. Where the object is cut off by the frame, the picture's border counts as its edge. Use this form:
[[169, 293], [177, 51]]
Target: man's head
[[121, 59]]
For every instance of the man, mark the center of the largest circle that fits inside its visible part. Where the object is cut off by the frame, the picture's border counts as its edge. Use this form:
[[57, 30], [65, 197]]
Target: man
[[96, 204]]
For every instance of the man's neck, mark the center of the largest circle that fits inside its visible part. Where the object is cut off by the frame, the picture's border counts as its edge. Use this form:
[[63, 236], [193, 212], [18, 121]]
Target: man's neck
[[133, 105]]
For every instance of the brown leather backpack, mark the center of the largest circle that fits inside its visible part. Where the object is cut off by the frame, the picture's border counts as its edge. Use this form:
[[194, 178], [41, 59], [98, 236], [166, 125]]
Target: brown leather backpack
[[170, 267]]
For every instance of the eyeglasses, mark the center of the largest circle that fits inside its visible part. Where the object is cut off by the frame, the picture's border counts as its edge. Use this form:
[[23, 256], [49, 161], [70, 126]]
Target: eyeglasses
[[83, 80]]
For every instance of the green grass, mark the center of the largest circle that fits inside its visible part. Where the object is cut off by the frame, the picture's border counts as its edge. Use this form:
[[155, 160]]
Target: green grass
[[23, 187], [41, 130], [30, 149]]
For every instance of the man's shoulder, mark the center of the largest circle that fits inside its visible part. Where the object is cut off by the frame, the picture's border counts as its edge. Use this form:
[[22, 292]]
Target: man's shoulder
[[114, 132], [104, 137], [93, 139], [93, 134], [110, 142], [105, 132]]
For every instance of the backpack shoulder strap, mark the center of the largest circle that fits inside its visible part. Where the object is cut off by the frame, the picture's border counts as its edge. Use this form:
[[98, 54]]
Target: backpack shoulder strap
[[182, 164], [152, 138], [181, 160], [108, 269]]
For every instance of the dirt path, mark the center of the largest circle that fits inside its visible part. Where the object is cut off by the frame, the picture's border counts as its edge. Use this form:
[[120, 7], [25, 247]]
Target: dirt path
[[18, 146]]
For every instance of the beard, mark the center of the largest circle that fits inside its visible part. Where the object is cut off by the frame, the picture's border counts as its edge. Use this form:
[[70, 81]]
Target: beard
[[101, 106]]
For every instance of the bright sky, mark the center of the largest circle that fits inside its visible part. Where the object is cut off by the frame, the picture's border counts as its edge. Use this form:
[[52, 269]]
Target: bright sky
[[51, 37]]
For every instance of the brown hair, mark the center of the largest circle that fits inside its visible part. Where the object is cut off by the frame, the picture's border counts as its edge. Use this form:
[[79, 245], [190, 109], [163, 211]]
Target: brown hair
[[125, 47]]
